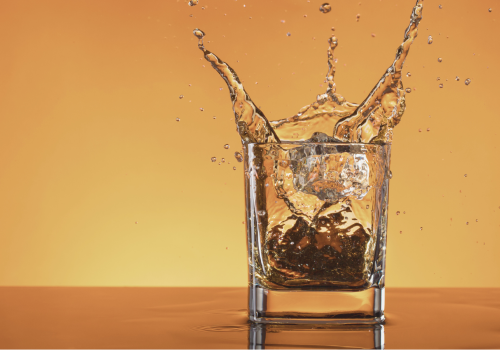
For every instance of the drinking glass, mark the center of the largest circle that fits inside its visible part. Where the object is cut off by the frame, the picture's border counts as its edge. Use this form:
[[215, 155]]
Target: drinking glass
[[316, 221]]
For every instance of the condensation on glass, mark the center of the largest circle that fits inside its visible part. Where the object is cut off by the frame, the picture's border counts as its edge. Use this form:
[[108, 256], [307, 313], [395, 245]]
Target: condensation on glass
[[316, 226]]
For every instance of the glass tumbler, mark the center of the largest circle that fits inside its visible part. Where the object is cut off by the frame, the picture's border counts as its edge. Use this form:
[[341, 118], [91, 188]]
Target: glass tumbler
[[316, 227]]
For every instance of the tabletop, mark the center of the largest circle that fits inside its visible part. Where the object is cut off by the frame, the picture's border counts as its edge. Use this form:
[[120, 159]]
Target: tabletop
[[138, 317]]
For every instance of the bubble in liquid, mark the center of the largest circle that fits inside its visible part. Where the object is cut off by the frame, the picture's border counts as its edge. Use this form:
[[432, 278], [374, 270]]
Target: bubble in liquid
[[421, 228], [400, 232], [201, 109], [367, 207], [467, 223], [419, 130], [357, 17], [408, 74], [288, 34], [193, 2], [428, 129], [430, 40], [477, 220], [177, 119], [198, 33], [348, 202], [467, 81], [137, 222], [408, 90], [489, 10], [226, 146], [181, 97], [261, 212], [457, 78], [282, 21], [441, 86], [373, 35], [214, 159], [234, 168], [440, 6], [390, 174], [398, 212], [438, 78], [238, 156], [465, 175], [214, 118], [223, 160], [325, 8], [440, 59]]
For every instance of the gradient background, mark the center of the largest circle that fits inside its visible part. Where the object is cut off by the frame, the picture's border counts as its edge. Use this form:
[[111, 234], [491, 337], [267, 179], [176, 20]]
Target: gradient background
[[100, 186]]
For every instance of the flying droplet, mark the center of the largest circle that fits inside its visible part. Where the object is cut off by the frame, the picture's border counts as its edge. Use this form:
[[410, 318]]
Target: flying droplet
[[408, 74], [238, 156], [441, 86], [465, 175], [137, 222], [226, 146], [223, 160], [477, 220], [419, 130], [489, 10], [421, 228], [357, 17], [348, 202], [440, 6], [429, 40], [193, 2], [214, 159], [214, 118], [408, 90], [288, 34], [390, 174], [467, 223], [438, 78], [440, 59], [367, 207], [234, 168], [400, 232], [181, 97], [398, 212], [467, 81], [261, 212], [428, 129], [457, 78], [325, 8], [282, 21], [177, 119], [201, 109], [198, 33]]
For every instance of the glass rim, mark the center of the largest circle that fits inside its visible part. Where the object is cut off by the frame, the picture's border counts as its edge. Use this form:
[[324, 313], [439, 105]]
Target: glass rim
[[318, 143]]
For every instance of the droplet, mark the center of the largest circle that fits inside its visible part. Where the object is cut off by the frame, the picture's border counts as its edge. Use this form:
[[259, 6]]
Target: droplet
[[465, 175], [390, 174], [201, 109], [438, 78], [398, 212], [348, 202], [467, 223], [234, 168], [430, 40], [419, 130], [421, 228], [193, 2], [467, 81], [357, 17], [177, 119], [404, 212], [223, 160], [325, 8], [282, 21], [226, 146], [408, 74], [137, 222], [214, 118], [238, 156], [400, 232], [367, 207], [477, 220], [288, 34], [440, 59], [198, 33], [181, 97], [441, 86], [457, 78], [214, 159], [408, 90], [489, 10], [261, 212], [440, 6]]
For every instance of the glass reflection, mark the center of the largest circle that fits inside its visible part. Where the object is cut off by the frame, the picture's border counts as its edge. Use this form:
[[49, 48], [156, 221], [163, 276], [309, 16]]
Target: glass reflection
[[273, 336]]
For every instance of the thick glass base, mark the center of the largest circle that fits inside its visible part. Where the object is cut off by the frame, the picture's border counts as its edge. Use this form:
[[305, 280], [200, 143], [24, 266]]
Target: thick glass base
[[316, 307]]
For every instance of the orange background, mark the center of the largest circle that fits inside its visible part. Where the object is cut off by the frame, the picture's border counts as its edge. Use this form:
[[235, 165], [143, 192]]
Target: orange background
[[89, 145]]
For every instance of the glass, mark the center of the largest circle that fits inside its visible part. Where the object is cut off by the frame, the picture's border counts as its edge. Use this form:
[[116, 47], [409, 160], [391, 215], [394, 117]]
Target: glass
[[316, 227]]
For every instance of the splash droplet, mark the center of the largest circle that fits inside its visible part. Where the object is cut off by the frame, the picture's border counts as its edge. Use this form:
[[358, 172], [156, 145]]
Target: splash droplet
[[419, 130], [358, 17], [440, 6], [198, 33], [465, 175], [234, 168], [400, 232], [193, 2], [441, 86], [457, 78], [467, 81], [367, 207], [137, 222], [226, 146], [325, 8], [467, 223], [213, 159], [201, 109], [428, 129], [438, 78], [181, 97], [408, 90], [408, 74], [261, 212], [177, 119], [223, 160], [288, 34], [489, 10], [440, 59], [390, 174], [214, 118], [477, 220], [398, 212], [430, 40], [238, 156], [421, 228]]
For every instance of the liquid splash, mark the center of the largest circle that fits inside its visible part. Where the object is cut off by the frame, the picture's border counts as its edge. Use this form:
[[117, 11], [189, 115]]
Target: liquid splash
[[331, 118]]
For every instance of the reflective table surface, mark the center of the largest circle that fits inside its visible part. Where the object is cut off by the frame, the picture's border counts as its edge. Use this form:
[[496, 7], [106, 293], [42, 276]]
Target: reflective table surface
[[98, 317]]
